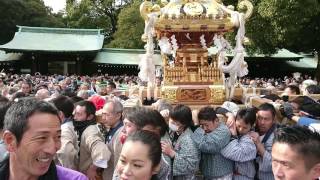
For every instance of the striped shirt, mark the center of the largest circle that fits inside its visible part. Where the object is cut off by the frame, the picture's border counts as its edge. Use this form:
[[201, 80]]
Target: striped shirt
[[213, 164], [243, 151], [265, 162]]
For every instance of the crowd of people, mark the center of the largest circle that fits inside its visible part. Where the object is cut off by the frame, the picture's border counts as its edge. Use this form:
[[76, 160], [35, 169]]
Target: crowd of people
[[76, 127]]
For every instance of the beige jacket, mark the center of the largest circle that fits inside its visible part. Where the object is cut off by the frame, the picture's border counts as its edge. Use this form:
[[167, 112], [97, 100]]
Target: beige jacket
[[93, 149], [115, 147], [67, 155]]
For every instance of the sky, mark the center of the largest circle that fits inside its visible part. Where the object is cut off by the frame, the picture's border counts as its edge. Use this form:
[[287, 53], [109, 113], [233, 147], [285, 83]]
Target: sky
[[56, 5]]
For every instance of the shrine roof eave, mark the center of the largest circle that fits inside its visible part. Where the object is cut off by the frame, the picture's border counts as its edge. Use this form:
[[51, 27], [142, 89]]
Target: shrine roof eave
[[9, 56], [7, 50], [54, 40], [124, 56]]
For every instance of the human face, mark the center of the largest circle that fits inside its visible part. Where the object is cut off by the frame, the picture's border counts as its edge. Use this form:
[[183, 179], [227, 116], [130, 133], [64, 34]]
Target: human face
[[104, 91], [128, 127], [134, 162], [33, 155], [84, 87], [287, 164], [109, 89], [208, 126], [80, 113], [68, 81], [63, 85], [25, 88], [265, 121], [288, 92], [109, 117], [242, 127]]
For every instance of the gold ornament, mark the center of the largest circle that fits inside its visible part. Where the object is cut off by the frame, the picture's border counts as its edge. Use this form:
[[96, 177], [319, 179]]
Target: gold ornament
[[193, 8]]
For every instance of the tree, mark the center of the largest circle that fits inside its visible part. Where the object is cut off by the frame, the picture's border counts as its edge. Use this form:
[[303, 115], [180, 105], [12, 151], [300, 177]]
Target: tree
[[10, 16], [28, 13], [130, 28], [37, 14], [95, 14], [294, 25], [84, 15], [111, 10]]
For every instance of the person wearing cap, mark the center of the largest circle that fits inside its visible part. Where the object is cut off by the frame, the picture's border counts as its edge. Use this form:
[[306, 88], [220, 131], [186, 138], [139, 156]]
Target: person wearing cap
[[229, 110], [296, 153], [263, 138], [210, 138], [98, 101]]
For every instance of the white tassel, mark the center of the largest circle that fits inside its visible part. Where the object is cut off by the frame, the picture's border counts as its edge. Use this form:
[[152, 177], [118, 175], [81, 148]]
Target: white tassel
[[165, 45], [174, 43], [203, 42]]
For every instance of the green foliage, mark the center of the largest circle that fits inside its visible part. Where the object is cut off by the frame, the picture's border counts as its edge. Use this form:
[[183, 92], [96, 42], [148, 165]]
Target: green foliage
[[84, 15], [261, 34], [284, 24], [95, 14], [130, 28], [10, 17], [290, 24], [24, 12]]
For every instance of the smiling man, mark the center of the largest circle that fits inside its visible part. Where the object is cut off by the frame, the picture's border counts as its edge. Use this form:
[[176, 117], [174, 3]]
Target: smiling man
[[296, 154], [32, 136]]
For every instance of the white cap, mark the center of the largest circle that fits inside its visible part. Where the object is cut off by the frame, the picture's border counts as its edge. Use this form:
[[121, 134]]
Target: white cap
[[231, 106]]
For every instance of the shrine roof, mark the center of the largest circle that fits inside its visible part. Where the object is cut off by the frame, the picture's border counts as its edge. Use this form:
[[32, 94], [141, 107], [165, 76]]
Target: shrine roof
[[280, 54], [43, 39], [9, 56], [124, 56]]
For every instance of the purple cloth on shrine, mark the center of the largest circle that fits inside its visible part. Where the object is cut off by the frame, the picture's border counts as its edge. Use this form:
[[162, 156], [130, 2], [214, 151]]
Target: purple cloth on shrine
[[69, 174]]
